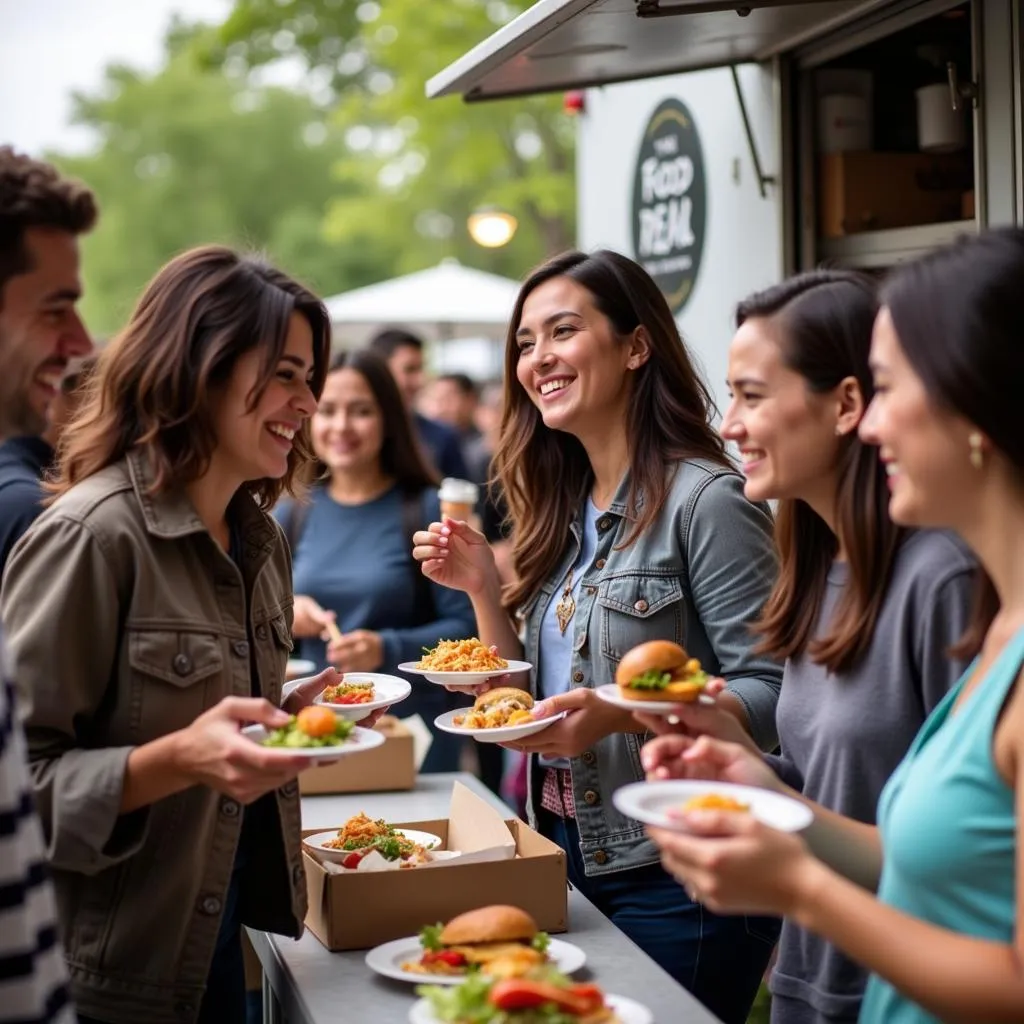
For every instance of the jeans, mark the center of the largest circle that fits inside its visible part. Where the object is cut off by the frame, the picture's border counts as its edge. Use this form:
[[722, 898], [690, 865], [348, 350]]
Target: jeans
[[721, 960]]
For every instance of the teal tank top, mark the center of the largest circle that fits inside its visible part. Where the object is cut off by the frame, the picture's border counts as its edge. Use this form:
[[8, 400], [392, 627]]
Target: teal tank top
[[948, 829]]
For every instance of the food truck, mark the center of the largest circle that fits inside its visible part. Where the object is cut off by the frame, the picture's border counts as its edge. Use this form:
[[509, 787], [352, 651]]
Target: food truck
[[724, 145]]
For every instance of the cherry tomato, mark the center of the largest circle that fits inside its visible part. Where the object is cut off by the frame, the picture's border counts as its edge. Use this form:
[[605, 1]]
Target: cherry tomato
[[353, 859], [445, 956]]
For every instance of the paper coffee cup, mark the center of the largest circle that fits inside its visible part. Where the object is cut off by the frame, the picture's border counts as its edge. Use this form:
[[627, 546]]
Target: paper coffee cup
[[458, 498]]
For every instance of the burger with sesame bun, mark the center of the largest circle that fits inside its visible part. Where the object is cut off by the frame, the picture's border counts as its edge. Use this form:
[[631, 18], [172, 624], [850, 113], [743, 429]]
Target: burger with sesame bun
[[660, 670]]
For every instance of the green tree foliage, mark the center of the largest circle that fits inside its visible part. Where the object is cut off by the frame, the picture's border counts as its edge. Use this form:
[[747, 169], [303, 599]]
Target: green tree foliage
[[416, 168], [191, 155]]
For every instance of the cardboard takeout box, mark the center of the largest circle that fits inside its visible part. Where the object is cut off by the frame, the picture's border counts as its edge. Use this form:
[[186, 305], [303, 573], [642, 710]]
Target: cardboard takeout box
[[391, 766], [359, 910]]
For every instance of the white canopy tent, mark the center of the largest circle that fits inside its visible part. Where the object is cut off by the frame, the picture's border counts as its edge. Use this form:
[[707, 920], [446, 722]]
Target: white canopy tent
[[446, 301]]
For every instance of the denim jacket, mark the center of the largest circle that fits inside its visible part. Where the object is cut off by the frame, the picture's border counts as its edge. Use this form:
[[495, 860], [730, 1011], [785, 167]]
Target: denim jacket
[[699, 575]]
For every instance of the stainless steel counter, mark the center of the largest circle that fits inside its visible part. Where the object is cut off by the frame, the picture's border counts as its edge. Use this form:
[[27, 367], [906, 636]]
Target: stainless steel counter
[[304, 983]]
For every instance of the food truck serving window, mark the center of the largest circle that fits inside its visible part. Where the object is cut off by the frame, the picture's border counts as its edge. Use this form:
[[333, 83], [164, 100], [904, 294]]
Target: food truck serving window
[[569, 44]]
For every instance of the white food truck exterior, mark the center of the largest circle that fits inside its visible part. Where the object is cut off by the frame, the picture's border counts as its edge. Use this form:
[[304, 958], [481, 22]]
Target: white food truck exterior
[[699, 143], [740, 246]]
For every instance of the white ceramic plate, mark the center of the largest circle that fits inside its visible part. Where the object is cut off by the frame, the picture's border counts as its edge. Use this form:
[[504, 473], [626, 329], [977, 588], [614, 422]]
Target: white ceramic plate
[[387, 960], [462, 678], [298, 667], [358, 741], [316, 843], [388, 690], [649, 801], [627, 1010], [611, 693], [504, 734]]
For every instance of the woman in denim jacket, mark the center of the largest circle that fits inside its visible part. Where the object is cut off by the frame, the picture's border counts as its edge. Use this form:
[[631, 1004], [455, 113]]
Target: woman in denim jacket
[[629, 524]]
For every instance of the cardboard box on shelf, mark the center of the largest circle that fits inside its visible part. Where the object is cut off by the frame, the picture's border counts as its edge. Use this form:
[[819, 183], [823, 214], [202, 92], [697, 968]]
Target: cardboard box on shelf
[[391, 766], [362, 909], [875, 191]]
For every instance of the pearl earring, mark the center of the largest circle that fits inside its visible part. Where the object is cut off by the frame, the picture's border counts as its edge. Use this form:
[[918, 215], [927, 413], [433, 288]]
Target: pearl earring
[[977, 454]]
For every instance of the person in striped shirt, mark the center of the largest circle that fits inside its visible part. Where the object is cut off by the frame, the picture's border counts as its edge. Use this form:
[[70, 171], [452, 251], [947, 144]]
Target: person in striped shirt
[[33, 977]]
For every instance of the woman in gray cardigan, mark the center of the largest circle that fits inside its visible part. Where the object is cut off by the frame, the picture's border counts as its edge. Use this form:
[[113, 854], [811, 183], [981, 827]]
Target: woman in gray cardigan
[[628, 524], [864, 612]]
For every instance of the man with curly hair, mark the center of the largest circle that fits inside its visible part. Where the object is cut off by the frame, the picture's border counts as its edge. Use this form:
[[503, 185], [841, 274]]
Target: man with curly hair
[[41, 216]]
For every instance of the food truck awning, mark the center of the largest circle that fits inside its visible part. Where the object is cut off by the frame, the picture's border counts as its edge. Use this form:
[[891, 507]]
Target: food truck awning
[[571, 44]]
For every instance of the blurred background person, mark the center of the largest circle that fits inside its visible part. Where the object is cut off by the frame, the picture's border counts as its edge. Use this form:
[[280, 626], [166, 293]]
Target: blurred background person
[[403, 353], [351, 542], [41, 217], [453, 399]]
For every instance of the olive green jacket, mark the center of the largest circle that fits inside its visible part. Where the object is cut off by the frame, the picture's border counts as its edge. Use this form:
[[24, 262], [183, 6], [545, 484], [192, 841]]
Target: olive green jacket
[[125, 621]]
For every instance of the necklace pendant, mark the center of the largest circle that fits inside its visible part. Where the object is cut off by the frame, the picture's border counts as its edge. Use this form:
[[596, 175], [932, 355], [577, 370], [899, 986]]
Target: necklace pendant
[[564, 611]]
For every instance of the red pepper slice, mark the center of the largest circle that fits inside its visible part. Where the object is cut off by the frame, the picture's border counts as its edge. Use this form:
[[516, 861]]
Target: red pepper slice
[[353, 859], [520, 994], [445, 956]]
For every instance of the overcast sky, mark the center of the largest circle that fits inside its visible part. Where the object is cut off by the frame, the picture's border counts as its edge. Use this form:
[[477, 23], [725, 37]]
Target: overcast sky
[[49, 48]]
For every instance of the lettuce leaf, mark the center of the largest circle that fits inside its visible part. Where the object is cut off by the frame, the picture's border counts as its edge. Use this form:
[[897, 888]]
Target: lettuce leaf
[[651, 680], [462, 1004], [430, 937]]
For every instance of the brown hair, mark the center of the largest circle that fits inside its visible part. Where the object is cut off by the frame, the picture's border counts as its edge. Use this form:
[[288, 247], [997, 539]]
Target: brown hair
[[545, 473], [958, 313], [400, 454], [824, 320], [152, 386], [34, 195]]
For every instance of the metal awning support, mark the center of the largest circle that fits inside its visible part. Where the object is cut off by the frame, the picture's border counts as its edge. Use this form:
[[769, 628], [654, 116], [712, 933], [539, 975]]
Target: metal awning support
[[763, 180]]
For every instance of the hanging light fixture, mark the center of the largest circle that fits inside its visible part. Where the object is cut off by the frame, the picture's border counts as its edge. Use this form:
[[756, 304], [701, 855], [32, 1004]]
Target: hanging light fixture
[[491, 227]]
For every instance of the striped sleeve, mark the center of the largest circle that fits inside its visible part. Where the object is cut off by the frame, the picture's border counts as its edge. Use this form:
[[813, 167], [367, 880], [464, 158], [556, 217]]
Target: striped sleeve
[[33, 977]]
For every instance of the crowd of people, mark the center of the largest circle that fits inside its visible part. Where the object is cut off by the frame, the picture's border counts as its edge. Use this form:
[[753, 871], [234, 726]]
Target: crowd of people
[[215, 492]]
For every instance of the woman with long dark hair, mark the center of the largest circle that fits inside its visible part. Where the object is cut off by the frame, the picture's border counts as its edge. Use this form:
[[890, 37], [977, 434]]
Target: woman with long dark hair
[[864, 612], [148, 614], [930, 901], [628, 524], [351, 543]]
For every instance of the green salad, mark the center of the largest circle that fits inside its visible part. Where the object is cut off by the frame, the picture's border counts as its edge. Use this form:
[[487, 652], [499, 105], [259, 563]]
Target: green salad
[[293, 737], [468, 1003]]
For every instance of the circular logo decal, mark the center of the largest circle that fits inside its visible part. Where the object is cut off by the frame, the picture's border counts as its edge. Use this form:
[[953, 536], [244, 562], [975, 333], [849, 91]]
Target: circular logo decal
[[670, 202]]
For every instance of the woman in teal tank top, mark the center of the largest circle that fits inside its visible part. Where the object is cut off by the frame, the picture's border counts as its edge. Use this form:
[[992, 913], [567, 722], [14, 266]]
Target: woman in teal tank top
[[929, 900]]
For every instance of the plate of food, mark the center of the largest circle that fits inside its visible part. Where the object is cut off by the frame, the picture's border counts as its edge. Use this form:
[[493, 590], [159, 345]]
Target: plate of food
[[361, 834], [498, 941], [462, 663], [318, 734], [650, 803], [545, 995], [497, 716], [655, 677], [360, 693]]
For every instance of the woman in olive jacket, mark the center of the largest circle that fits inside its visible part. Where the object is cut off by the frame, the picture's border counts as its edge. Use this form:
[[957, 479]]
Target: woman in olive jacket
[[149, 615]]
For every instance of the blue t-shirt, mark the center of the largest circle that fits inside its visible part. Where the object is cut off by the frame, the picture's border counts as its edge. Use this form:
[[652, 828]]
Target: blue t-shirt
[[355, 560], [555, 647]]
